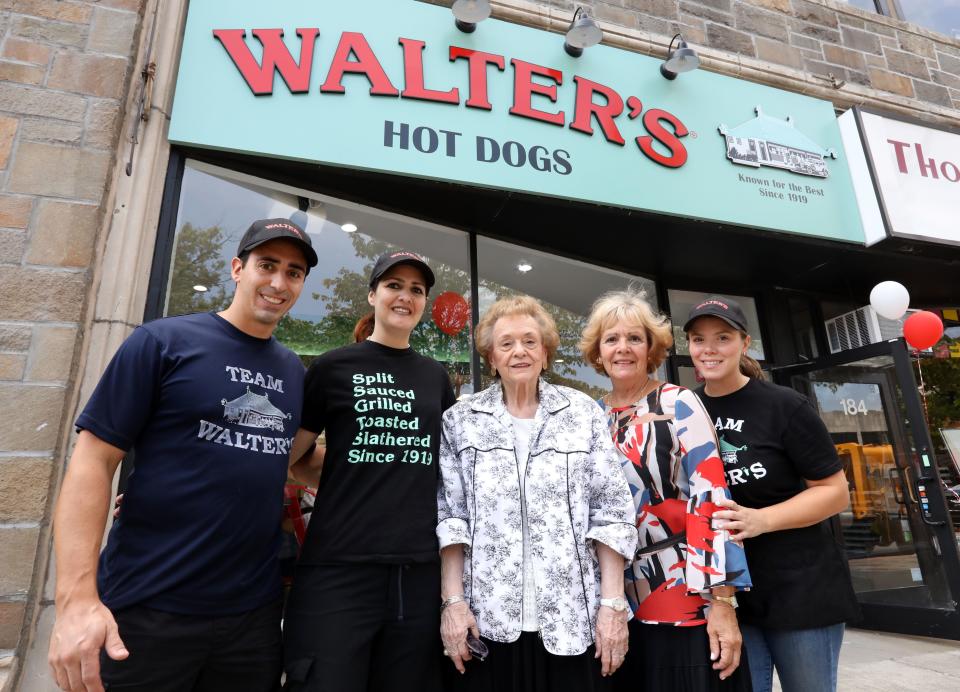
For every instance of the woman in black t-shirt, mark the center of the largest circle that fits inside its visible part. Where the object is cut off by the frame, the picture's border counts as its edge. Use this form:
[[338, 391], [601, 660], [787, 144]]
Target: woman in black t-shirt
[[364, 607], [786, 481]]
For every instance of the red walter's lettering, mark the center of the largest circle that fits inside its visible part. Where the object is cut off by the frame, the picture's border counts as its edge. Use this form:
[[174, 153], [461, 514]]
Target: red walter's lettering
[[927, 167], [536, 96]]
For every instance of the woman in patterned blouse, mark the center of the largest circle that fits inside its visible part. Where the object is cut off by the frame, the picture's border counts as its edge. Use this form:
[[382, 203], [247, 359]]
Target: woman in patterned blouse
[[684, 635], [534, 522]]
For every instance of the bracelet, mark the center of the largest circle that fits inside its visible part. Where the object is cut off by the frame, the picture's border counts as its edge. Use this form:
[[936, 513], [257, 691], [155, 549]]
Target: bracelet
[[459, 598]]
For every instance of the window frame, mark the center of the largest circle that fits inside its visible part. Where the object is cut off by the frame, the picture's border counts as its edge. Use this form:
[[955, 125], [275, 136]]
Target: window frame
[[163, 254]]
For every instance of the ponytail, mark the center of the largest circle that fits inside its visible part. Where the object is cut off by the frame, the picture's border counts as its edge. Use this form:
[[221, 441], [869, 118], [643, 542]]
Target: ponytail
[[363, 329], [750, 368]]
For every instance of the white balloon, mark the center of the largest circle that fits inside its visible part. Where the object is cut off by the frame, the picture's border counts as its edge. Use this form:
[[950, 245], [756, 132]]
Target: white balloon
[[890, 299]]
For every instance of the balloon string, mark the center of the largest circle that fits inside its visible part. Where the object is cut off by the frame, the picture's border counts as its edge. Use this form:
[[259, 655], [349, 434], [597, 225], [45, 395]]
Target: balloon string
[[923, 388]]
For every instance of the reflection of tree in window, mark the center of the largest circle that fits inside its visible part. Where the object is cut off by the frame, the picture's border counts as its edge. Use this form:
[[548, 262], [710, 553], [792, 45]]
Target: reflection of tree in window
[[941, 379], [199, 262], [345, 300]]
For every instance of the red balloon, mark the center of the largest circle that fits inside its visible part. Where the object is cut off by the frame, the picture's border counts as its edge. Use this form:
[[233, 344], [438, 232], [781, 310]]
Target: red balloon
[[450, 312], [922, 329]]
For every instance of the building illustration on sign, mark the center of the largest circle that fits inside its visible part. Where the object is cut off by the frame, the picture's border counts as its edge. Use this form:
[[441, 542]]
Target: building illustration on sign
[[769, 141], [254, 411]]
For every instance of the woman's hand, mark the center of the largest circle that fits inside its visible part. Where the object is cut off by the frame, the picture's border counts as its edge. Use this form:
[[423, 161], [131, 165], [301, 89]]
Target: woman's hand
[[116, 506], [612, 639], [741, 522], [725, 638], [455, 621]]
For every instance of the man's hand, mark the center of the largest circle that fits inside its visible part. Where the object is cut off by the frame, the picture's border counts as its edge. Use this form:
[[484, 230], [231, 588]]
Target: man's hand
[[79, 633]]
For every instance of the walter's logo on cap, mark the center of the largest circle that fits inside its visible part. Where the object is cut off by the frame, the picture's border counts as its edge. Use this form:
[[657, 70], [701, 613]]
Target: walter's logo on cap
[[411, 255], [286, 227], [712, 302]]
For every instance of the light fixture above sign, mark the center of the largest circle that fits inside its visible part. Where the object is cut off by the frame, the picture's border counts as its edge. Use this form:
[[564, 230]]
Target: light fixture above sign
[[469, 13], [583, 33], [683, 59], [524, 267]]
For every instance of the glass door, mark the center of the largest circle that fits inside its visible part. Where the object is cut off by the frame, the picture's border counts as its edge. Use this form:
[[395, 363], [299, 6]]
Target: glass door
[[897, 531]]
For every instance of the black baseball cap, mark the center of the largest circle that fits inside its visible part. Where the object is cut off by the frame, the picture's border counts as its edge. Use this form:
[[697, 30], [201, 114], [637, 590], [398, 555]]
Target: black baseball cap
[[265, 230], [390, 259], [718, 306]]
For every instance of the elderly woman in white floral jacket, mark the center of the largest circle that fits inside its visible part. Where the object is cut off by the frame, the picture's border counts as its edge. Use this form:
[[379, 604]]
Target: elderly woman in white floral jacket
[[535, 520]]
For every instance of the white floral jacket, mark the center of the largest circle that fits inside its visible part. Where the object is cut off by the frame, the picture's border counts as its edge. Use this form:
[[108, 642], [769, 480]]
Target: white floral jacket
[[575, 494]]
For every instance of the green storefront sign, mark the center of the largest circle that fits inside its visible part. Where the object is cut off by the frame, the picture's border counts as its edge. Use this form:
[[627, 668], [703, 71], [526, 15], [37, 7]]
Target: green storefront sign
[[392, 85]]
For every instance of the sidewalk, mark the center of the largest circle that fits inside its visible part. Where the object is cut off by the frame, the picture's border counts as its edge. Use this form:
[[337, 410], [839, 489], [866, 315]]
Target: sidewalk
[[869, 662], [880, 662]]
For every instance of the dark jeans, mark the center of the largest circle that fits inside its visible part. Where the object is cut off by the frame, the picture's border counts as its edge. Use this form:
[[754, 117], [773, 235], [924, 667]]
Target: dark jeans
[[363, 627], [171, 652]]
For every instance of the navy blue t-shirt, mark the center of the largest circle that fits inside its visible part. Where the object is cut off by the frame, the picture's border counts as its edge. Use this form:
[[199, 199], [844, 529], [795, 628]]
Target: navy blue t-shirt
[[210, 413]]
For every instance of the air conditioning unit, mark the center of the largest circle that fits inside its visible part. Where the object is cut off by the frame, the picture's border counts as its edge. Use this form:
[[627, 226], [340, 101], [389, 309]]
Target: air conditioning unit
[[861, 327]]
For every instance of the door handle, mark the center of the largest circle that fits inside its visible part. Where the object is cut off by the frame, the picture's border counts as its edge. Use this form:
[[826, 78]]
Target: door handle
[[897, 485]]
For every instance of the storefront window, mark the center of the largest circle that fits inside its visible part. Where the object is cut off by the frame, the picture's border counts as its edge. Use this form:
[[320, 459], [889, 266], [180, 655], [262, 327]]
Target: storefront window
[[681, 302], [943, 17], [869, 5], [217, 206], [938, 373], [566, 288], [939, 16]]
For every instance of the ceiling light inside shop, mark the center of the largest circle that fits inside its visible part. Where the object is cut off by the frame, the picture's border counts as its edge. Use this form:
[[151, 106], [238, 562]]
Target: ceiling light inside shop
[[349, 228], [200, 288], [524, 267]]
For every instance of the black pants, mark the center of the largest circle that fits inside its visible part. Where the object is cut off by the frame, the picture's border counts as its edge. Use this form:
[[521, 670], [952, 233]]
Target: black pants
[[665, 658], [171, 652], [526, 666], [363, 628]]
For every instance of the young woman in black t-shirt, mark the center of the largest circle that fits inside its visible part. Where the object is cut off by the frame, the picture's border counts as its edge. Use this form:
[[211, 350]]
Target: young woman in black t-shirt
[[365, 603], [786, 481]]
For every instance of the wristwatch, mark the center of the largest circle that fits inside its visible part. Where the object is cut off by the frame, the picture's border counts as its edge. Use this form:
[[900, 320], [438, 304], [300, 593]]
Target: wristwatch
[[729, 600], [619, 604]]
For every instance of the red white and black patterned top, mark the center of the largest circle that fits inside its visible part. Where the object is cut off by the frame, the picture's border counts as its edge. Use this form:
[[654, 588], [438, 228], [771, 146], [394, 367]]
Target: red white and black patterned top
[[669, 454]]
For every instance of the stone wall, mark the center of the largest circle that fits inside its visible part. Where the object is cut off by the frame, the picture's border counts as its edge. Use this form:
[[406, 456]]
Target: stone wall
[[65, 67], [821, 37], [823, 47]]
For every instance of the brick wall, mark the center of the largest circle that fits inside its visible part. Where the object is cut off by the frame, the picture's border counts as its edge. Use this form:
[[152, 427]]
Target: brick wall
[[820, 37], [64, 71]]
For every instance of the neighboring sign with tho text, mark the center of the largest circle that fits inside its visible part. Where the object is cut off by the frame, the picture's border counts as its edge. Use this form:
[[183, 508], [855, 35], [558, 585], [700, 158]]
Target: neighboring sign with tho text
[[917, 172], [393, 86]]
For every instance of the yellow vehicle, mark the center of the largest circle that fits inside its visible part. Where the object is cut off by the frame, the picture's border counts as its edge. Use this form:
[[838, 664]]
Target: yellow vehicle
[[877, 509]]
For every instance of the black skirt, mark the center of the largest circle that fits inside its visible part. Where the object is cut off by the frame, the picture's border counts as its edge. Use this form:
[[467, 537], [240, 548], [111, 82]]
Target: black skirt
[[665, 658], [526, 666]]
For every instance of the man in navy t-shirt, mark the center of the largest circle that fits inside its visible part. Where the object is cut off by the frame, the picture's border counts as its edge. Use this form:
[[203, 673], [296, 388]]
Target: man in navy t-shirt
[[187, 592]]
